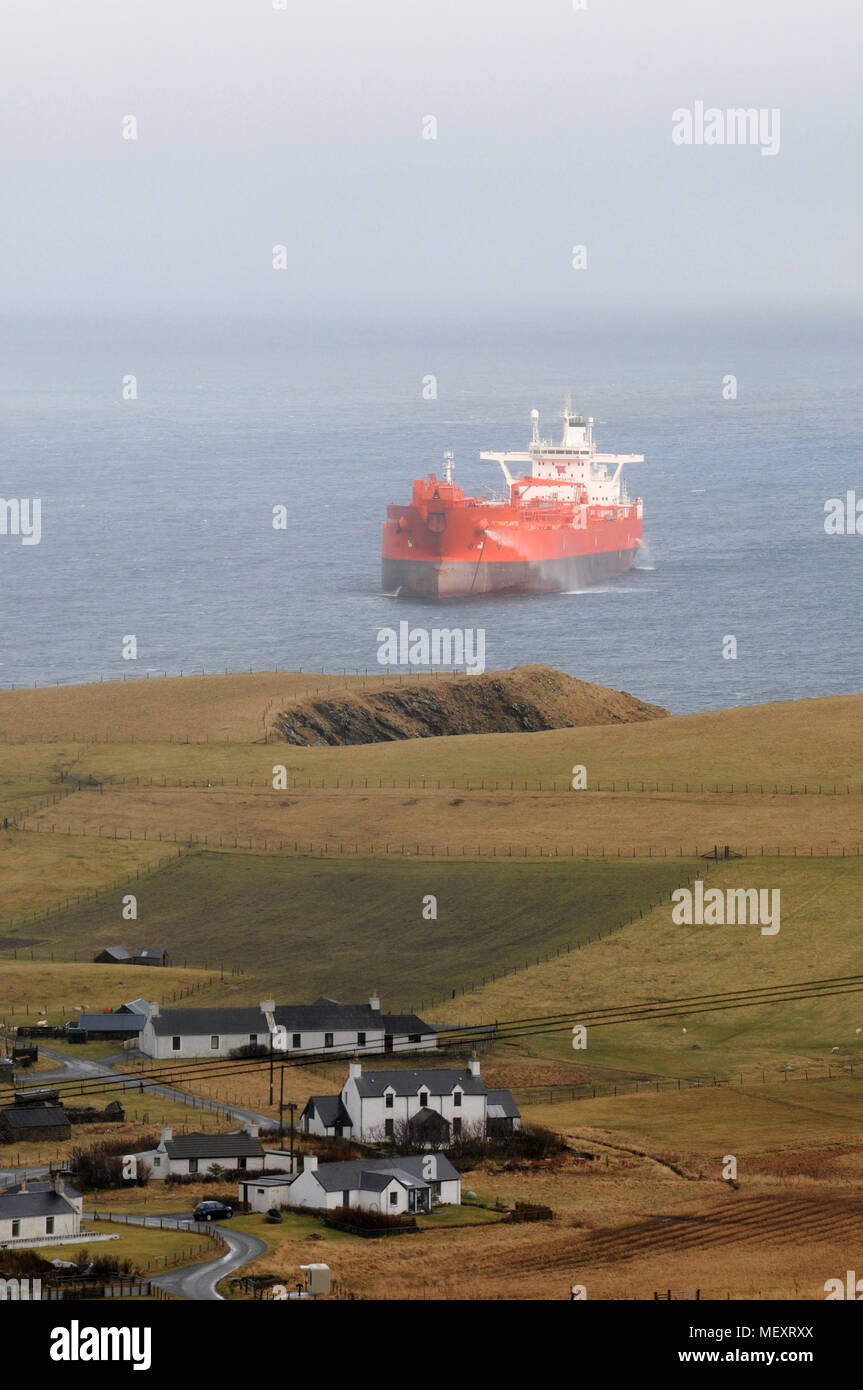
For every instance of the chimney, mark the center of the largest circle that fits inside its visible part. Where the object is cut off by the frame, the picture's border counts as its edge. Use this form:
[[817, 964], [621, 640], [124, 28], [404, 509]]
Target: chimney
[[167, 1133], [374, 1002], [473, 1065], [268, 1006], [253, 1130], [23, 1187], [310, 1163], [355, 1069], [58, 1184], [154, 1009]]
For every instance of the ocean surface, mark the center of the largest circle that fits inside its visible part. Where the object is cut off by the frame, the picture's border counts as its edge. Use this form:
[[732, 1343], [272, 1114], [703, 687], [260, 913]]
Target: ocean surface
[[157, 512]]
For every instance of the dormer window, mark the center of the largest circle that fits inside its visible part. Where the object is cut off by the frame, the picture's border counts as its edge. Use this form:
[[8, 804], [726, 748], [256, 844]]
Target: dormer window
[[424, 1099], [456, 1098], [389, 1100]]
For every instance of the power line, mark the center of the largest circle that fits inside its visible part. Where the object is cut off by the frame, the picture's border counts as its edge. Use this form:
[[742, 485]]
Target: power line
[[461, 1036]]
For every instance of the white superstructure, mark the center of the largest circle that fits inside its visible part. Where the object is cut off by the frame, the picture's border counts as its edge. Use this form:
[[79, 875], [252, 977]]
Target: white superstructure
[[571, 470]]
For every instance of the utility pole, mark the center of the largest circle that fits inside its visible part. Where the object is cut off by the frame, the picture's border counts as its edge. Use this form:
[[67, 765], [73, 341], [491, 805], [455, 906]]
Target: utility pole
[[281, 1099], [271, 1069], [292, 1105]]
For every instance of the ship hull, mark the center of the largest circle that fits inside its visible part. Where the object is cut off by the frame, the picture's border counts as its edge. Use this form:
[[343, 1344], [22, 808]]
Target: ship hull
[[446, 578]]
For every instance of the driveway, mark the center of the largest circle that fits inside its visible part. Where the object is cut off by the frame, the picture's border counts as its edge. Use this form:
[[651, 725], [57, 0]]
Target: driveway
[[198, 1282]]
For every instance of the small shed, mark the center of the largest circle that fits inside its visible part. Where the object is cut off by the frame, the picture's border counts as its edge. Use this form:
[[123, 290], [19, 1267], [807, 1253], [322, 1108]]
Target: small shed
[[113, 955], [22, 1123], [150, 955]]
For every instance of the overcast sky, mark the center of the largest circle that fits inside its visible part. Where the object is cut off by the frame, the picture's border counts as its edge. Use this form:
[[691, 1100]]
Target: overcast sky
[[303, 126]]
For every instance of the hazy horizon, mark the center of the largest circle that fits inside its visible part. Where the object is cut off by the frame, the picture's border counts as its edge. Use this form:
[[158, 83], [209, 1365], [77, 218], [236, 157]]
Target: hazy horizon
[[304, 128]]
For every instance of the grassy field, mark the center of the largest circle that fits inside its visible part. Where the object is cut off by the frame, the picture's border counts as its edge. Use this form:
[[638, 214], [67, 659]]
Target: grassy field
[[655, 959], [303, 927], [149, 1249], [762, 743], [470, 822], [56, 990], [43, 873], [648, 1211]]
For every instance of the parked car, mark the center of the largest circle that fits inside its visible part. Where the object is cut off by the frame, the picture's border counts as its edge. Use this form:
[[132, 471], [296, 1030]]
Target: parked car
[[212, 1211]]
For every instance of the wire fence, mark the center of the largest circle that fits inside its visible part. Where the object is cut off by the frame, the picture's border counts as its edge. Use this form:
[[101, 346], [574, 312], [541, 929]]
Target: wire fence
[[591, 1090], [430, 850], [618, 786]]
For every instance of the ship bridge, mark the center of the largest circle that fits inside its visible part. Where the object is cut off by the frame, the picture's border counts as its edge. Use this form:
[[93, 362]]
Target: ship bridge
[[556, 468]]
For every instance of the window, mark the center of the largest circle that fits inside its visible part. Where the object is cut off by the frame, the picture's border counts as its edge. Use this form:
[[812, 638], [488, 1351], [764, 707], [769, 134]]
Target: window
[[388, 1129], [298, 1040], [413, 1037], [193, 1165], [394, 1196], [175, 1044], [456, 1125], [253, 1037], [49, 1225], [328, 1039], [456, 1098], [157, 1160], [16, 1229], [389, 1100], [241, 1163], [424, 1099], [361, 1039], [346, 1199], [260, 1191], [214, 1042]]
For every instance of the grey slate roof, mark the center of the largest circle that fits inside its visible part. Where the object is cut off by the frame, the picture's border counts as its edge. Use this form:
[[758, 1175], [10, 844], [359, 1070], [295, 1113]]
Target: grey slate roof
[[268, 1180], [111, 1023], [502, 1106], [143, 952], [214, 1146], [350, 1176], [323, 1016], [135, 1006], [438, 1081], [330, 1109], [428, 1118], [40, 1199], [118, 953], [406, 1023], [26, 1117]]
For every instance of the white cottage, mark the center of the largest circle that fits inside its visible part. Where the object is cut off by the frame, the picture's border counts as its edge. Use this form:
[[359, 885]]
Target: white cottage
[[414, 1184], [316, 1027], [40, 1213], [430, 1106], [200, 1153]]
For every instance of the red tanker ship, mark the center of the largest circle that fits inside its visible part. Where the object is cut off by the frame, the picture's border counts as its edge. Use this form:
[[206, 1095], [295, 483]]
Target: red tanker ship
[[566, 523]]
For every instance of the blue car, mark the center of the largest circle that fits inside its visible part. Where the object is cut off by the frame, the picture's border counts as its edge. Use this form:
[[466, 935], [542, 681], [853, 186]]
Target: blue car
[[212, 1211]]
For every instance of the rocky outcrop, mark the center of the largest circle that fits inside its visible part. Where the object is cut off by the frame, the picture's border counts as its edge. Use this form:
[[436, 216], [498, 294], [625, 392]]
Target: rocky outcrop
[[526, 699]]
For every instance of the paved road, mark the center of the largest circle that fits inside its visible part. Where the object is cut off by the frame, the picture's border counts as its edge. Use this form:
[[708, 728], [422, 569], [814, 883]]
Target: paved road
[[82, 1068], [198, 1282]]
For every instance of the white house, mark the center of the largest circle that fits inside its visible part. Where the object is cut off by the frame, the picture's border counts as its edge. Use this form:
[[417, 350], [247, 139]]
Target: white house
[[199, 1153], [416, 1183], [432, 1106], [39, 1213], [316, 1027]]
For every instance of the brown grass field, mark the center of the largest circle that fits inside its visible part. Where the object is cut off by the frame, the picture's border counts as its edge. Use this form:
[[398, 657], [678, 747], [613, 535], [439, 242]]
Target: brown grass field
[[649, 1210], [472, 822]]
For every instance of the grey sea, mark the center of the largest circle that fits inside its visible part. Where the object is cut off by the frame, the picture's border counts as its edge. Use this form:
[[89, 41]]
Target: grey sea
[[157, 512]]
